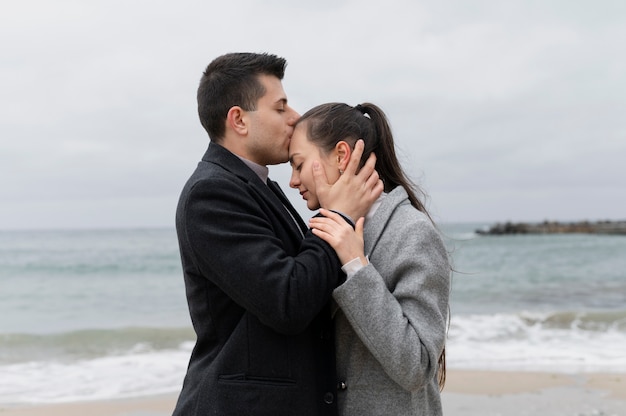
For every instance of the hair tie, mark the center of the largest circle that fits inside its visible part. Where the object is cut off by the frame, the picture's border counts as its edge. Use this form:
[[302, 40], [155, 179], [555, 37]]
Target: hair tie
[[362, 110]]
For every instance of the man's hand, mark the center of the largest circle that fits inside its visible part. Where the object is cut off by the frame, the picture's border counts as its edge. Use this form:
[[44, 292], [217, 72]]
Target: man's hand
[[353, 194]]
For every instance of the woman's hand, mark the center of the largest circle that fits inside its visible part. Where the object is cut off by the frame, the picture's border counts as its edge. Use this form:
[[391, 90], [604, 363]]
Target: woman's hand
[[354, 193], [347, 242]]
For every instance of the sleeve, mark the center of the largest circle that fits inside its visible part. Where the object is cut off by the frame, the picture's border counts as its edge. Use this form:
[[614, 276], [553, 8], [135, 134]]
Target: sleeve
[[351, 267], [403, 322], [235, 245]]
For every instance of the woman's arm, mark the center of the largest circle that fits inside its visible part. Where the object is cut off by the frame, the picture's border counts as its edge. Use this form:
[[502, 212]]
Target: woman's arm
[[398, 304]]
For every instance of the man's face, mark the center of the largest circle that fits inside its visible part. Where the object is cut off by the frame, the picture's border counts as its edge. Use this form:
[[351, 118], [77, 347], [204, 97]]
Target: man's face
[[270, 125]]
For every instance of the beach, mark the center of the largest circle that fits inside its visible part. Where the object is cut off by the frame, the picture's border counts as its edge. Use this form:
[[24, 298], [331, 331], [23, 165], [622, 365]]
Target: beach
[[501, 393], [160, 405], [467, 393]]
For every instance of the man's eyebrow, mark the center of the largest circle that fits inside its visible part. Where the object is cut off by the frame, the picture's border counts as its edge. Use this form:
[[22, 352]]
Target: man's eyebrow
[[282, 100]]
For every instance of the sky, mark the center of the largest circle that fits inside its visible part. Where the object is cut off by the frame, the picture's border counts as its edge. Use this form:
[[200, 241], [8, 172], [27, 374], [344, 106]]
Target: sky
[[501, 111]]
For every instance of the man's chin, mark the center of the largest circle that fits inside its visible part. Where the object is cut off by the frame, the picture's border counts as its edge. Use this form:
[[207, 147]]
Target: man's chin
[[277, 161], [281, 159]]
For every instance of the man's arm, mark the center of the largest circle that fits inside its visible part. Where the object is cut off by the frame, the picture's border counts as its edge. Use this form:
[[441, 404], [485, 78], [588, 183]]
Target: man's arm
[[234, 244]]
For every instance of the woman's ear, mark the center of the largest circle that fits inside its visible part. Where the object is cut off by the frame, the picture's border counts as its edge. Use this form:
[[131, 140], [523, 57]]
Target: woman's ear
[[343, 151], [236, 120]]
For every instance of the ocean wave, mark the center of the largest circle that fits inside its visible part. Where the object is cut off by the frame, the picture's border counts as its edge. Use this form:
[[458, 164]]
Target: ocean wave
[[93, 364], [90, 343], [127, 375], [558, 341], [593, 321], [131, 362]]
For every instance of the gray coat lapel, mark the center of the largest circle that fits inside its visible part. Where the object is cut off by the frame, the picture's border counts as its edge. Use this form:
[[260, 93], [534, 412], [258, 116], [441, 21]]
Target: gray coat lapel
[[374, 228]]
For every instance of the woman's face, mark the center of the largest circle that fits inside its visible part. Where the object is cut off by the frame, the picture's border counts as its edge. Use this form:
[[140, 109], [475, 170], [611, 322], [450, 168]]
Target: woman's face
[[302, 153]]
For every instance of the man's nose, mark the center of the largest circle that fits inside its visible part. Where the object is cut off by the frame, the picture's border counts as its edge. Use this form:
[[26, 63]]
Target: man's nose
[[293, 117]]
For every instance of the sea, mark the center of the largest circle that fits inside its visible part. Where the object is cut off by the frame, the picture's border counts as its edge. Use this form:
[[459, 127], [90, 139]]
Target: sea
[[101, 314]]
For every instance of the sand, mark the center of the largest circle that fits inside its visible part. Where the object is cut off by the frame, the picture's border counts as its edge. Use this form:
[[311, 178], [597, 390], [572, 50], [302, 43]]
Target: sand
[[467, 393], [143, 406], [485, 393]]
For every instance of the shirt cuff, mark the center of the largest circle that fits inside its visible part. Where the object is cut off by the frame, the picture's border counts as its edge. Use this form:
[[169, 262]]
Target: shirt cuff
[[351, 267]]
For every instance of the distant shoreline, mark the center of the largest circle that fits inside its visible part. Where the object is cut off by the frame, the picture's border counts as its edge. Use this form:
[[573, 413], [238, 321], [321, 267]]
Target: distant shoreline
[[556, 227]]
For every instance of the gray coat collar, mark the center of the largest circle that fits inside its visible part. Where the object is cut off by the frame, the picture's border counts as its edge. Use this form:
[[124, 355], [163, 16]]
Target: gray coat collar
[[375, 227]]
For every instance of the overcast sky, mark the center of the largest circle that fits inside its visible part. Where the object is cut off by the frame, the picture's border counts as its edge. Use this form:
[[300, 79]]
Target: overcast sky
[[502, 110]]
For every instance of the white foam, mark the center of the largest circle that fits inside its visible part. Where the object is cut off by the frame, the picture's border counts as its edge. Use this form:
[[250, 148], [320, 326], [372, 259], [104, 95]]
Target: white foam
[[518, 342], [522, 342], [134, 374]]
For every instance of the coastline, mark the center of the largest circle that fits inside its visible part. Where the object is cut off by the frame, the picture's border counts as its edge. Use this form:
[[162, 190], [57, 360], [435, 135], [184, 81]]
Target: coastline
[[467, 392], [556, 227]]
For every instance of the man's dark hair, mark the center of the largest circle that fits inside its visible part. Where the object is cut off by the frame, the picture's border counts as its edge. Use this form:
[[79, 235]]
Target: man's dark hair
[[233, 80]]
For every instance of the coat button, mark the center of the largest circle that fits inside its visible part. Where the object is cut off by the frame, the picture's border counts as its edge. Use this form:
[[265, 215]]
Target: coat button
[[341, 385], [329, 398]]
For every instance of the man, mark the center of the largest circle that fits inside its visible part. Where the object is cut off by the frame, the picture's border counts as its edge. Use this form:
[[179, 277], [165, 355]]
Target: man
[[257, 281]]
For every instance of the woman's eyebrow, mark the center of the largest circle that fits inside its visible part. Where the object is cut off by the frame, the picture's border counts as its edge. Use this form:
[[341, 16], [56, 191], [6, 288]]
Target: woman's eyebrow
[[291, 162]]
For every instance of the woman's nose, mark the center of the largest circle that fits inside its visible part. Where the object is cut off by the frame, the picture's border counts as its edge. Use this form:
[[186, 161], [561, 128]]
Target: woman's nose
[[293, 181]]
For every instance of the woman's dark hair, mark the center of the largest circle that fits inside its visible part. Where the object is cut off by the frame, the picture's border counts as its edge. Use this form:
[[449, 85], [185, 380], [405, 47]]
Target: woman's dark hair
[[328, 124], [233, 80]]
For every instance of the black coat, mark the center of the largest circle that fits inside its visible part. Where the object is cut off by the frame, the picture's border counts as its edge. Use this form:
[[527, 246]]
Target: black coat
[[257, 295]]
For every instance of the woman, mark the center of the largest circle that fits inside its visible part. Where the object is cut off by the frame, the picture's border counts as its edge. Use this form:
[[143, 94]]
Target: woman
[[391, 320]]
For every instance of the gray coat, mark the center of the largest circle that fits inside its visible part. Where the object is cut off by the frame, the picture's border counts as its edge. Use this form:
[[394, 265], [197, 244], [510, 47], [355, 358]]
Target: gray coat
[[391, 325]]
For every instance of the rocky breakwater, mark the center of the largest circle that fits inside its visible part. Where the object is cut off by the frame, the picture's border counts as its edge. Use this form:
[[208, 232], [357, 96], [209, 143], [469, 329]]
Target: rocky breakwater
[[556, 227]]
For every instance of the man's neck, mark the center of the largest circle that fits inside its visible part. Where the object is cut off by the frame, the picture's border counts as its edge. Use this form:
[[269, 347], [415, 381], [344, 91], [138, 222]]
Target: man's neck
[[261, 171], [235, 146]]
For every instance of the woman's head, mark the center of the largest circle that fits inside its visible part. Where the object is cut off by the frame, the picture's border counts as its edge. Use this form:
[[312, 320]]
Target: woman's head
[[327, 133]]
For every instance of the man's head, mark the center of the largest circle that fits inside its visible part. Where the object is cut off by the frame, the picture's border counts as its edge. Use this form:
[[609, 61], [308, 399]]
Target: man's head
[[233, 80], [242, 105]]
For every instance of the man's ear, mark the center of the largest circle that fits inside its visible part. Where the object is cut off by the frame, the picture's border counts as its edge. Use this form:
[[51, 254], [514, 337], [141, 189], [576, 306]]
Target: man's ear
[[236, 120], [344, 151]]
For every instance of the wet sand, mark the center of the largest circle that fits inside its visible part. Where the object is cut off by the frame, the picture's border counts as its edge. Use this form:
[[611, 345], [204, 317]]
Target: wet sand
[[467, 393]]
